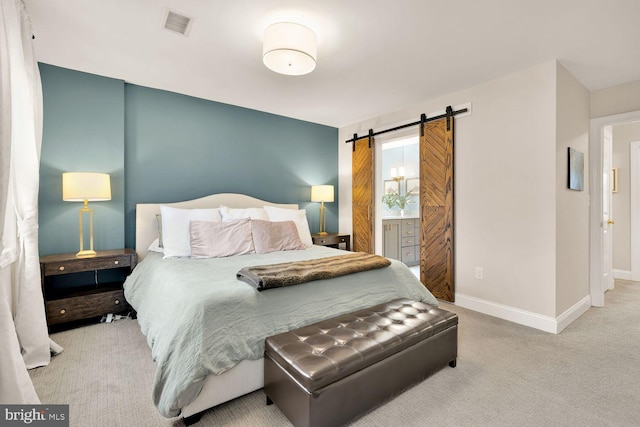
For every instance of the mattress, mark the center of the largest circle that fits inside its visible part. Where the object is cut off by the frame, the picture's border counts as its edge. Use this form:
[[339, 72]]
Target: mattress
[[199, 320]]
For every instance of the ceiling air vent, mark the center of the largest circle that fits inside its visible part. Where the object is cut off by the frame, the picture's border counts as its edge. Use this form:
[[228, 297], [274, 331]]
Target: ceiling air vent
[[174, 21]]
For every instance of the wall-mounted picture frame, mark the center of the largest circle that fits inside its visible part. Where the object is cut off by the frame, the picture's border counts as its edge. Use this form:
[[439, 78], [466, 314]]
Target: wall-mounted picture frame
[[576, 170], [413, 186], [614, 180], [391, 186]]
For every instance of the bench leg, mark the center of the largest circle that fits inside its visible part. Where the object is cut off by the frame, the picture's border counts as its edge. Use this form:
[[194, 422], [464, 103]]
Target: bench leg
[[192, 419], [453, 363]]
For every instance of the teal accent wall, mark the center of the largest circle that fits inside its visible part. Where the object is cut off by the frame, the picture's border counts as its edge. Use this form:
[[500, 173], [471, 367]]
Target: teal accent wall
[[162, 147], [83, 131]]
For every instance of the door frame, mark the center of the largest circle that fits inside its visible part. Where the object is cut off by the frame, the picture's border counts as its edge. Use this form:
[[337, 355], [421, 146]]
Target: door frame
[[596, 137], [607, 282], [634, 202]]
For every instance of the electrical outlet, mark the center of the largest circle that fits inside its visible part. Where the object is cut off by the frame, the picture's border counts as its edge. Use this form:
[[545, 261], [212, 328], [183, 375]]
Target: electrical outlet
[[479, 273]]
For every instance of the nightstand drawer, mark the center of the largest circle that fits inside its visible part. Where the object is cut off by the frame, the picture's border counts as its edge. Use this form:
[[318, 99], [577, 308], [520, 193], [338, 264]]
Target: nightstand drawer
[[330, 240], [86, 306], [333, 240], [86, 264]]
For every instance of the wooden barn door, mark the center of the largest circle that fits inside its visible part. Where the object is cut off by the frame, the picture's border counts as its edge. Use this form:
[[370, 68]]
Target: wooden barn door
[[436, 204], [363, 191]]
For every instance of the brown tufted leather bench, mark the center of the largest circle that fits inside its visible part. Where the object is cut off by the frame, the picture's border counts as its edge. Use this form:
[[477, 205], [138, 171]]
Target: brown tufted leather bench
[[329, 373]]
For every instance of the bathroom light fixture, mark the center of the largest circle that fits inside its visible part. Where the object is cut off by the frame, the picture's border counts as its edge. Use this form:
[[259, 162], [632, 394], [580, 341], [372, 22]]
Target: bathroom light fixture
[[397, 174], [322, 193], [85, 187], [289, 48]]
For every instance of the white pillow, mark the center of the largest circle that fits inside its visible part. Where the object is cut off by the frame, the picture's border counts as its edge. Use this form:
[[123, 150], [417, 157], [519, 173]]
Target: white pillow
[[299, 217], [159, 226], [155, 247], [233, 214], [220, 239], [175, 228]]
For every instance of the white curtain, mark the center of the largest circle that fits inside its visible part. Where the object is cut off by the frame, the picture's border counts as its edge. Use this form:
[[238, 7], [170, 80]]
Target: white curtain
[[23, 328]]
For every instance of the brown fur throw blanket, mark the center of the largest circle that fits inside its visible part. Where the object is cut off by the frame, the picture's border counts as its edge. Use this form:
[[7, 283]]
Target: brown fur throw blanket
[[265, 277]]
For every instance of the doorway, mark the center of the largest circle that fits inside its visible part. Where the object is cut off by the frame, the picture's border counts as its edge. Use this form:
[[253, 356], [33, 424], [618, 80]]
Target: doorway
[[634, 205], [599, 183], [397, 195]]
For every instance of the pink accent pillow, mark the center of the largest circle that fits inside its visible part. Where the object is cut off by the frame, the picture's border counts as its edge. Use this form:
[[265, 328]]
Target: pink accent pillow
[[220, 239], [299, 217], [275, 236]]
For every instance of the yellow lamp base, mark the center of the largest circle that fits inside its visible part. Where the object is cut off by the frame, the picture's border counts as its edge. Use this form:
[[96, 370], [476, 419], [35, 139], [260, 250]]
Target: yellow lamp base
[[323, 220], [86, 254]]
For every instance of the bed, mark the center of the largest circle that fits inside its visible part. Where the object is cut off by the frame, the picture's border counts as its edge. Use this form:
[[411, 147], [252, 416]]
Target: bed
[[206, 329]]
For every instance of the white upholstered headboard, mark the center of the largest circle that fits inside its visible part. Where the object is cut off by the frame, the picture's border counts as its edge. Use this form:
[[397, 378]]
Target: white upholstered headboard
[[146, 224]]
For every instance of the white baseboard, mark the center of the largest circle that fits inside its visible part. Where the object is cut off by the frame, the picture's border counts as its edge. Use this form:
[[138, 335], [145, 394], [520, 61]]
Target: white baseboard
[[571, 314], [621, 274], [524, 317]]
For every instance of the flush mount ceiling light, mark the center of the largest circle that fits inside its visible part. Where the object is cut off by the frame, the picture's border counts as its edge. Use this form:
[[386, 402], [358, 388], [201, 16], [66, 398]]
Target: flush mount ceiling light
[[289, 48]]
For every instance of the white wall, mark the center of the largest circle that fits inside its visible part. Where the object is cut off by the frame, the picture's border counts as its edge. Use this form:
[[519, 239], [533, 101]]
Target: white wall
[[572, 207], [615, 100], [622, 136], [505, 184]]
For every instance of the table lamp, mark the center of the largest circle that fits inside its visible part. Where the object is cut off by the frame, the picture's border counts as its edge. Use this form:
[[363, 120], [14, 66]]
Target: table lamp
[[85, 187], [322, 193]]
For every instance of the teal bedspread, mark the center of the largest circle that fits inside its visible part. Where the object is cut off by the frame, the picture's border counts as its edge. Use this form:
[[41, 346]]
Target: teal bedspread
[[200, 320]]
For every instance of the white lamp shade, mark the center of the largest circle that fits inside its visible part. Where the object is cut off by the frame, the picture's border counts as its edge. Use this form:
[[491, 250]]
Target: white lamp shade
[[322, 193], [81, 186], [289, 48]]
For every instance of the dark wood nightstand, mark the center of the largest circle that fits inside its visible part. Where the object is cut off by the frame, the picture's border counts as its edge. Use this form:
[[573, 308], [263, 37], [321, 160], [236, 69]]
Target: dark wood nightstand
[[333, 240], [68, 297]]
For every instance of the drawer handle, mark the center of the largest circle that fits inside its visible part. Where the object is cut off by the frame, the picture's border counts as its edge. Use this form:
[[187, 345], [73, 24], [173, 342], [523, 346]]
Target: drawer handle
[[322, 241], [116, 262], [63, 311], [61, 268], [117, 302], [409, 242]]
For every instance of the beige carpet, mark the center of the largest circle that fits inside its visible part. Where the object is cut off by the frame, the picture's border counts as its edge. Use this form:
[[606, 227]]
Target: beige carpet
[[507, 375]]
